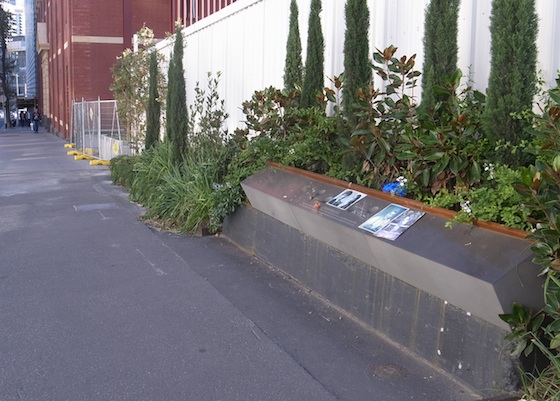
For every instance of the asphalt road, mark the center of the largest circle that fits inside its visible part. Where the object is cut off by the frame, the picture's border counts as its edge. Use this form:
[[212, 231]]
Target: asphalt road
[[95, 305]]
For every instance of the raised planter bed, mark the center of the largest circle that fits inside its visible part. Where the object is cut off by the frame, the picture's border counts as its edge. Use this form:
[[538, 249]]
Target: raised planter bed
[[436, 291]]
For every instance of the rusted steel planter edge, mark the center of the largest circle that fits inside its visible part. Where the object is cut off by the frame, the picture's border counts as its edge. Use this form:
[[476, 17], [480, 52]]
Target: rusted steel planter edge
[[438, 211]]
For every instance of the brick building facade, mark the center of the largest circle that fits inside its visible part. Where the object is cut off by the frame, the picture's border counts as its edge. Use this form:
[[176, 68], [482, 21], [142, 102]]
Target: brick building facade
[[78, 42]]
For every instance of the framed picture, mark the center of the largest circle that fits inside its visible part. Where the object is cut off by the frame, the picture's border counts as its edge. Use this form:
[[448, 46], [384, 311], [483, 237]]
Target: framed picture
[[346, 199]]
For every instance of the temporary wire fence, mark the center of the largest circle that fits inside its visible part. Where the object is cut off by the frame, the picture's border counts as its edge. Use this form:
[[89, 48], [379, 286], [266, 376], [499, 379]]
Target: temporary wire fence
[[97, 131]]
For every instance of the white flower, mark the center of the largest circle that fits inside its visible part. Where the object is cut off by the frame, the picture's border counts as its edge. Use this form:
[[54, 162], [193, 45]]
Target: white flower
[[402, 181], [465, 206], [490, 168], [292, 151]]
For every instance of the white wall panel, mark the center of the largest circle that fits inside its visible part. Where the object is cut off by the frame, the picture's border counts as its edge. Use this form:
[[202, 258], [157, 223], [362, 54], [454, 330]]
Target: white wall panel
[[246, 41]]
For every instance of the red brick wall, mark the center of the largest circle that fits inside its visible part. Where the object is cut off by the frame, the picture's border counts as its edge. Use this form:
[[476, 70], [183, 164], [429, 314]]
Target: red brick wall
[[83, 70], [154, 14], [91, 72], [97, 18]]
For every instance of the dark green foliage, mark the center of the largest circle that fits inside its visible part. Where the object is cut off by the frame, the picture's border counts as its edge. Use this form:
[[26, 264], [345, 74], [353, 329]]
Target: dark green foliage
[[446, 149], [183, 196], [303, 138], [177, 116], [293, 69], [538, 332], [440, 48], [314, 78], [122, 170], [496, 200], [384, 119], [357, 66], [513, 80], [153, 111]]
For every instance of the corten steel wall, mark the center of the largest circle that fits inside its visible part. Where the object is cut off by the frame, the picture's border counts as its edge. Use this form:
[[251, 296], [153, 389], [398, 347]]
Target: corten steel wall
[[246, 41], [85, 37]]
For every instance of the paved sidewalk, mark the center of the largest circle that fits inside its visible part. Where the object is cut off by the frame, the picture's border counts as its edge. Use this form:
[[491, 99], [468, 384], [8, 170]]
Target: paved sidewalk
[[95, 305]]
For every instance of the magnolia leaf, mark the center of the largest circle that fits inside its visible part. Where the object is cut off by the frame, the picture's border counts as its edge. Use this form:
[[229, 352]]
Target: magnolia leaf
[[542, 248], [456, 77], [554, 95], [474, 172], [389, 102], [479, 96], [385, 145], [434, 156], [454, 166], [440, 90], [378, 58], [379, 156]]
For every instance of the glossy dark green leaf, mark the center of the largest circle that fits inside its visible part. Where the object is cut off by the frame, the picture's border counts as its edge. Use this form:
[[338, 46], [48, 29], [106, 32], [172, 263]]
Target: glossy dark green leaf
[[454, 165], [537, 322], [555, 342]]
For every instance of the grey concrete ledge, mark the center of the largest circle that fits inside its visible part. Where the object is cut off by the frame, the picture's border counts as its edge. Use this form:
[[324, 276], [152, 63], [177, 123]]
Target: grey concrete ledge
[[476, 269], [435, 290]]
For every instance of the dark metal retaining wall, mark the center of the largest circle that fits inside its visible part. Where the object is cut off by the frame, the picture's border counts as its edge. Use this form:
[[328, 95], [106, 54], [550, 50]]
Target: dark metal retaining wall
[[467, 347]]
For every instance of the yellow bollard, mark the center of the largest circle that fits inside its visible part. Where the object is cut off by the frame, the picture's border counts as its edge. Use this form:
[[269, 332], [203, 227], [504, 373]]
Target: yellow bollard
[[99, 163]]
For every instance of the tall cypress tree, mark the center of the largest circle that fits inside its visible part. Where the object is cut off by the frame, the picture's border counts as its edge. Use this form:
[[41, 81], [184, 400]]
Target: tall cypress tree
[[153, 110], [440, 47], [177, 117], [314, 78], [293, 66], [357, 68], [513, 76]]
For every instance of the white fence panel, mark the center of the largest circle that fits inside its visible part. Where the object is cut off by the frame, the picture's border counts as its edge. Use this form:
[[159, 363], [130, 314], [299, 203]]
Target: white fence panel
[[97, 131], [246, 42]]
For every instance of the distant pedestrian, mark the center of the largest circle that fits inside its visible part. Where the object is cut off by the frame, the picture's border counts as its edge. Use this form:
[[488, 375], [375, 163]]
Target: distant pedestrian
[[36, 121]]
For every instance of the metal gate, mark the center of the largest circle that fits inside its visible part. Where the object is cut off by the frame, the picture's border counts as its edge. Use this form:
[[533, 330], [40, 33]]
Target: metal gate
[[97, 131]]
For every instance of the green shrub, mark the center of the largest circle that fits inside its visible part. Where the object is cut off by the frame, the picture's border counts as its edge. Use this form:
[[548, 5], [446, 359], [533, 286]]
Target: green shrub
[[539, 331], [357, 70], [494, 201], [440, 48], [512, 83], [177, 119], [293, 65], [184, 196], [122, 170], [446, 149], [149, 170], [314, 76]]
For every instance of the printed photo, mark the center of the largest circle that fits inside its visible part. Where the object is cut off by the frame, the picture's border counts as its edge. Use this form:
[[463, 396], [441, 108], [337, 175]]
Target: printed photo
[[399, 225], [345, 199], [382, 218]]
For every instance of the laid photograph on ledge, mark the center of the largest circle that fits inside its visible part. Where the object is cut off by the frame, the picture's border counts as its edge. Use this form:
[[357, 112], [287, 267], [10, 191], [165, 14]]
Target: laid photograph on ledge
[[399, 225], [382, 218], [346, 199]]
